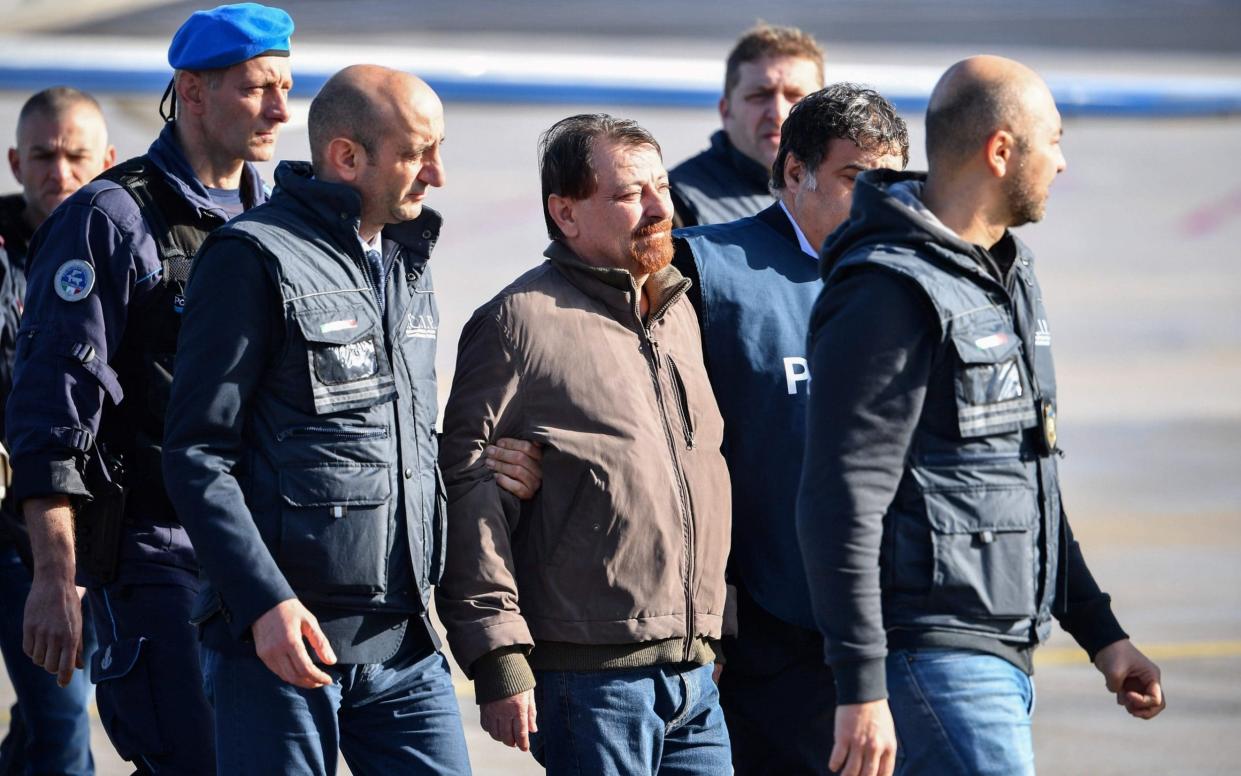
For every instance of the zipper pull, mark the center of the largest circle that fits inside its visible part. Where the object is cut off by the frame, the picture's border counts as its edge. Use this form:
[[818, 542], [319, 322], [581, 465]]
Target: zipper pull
[[654, 349]]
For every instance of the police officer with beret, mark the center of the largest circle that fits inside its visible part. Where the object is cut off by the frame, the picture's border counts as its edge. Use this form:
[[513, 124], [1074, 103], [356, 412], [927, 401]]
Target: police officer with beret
[[91, 382]]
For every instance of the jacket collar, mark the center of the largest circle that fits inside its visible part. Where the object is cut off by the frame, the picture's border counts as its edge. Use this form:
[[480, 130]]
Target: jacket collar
[[166, 154], [616, 288], [775, 218], [746, 168], [339, 209]]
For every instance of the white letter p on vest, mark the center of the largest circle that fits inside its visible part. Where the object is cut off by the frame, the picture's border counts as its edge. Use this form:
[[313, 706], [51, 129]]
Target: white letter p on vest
[[796, 370]]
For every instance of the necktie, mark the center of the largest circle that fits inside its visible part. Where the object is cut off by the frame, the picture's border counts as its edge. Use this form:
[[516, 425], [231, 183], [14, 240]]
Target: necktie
[[376, 262]]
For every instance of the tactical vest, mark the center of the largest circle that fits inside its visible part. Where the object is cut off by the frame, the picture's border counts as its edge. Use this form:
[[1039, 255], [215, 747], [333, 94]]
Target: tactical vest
[[758, 288], [341, 476], [972, 540], [134, 430]]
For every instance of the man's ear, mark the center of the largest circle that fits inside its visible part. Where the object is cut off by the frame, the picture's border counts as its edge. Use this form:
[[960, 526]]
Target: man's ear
[[794, 171], [723, 107], [345, 158], [15, 163], [999, 152], [563, 211], [109, 157], [190, 87]]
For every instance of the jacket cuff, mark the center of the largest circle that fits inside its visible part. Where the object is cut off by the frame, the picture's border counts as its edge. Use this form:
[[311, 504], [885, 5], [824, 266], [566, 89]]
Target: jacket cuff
[[729, 627], [501, 674], [243, 610], [861, 681], [1093, 625], [36, 477]]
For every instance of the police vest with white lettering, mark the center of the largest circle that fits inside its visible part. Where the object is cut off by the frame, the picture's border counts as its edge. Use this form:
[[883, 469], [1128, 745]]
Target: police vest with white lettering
[[758, 288]]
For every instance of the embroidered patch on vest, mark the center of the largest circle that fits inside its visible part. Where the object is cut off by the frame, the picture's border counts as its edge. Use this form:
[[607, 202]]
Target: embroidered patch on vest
[[420, 326], [1042, 337], [74, 280]]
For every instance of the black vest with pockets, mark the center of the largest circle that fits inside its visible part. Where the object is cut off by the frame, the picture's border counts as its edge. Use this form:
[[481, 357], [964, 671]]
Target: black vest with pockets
[[134, 430]]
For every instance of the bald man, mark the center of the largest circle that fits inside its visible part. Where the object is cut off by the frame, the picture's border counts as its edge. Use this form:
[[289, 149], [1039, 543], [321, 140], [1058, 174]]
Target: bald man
[[930, 517], [301, 450]]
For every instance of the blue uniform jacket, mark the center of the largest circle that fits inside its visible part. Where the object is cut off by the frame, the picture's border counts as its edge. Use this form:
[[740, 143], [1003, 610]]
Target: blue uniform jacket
[[73, 324]]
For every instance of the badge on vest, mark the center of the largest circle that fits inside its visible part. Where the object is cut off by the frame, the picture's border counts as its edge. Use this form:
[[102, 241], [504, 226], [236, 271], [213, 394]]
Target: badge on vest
[[74, 280], [338, 364], [1047, 418]]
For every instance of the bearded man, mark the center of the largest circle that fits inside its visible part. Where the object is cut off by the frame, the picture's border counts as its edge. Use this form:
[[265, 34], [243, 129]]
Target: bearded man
[[600, 602], [936, 545]]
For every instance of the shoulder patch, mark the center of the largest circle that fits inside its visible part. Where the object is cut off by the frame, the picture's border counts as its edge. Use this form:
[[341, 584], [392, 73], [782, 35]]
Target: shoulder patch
[[74, 280]]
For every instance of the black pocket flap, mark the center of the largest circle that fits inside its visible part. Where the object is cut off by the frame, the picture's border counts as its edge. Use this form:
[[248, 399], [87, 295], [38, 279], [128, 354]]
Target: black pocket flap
[[336, 484], [115, 660]]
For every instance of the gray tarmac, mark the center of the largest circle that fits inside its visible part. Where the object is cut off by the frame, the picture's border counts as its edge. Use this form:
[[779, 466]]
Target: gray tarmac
[[1140, 259]]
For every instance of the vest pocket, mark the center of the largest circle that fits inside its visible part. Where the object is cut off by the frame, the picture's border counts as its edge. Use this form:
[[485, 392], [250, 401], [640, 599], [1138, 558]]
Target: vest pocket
[[992, 389], [346, 359], [334, 526], [983, 554]]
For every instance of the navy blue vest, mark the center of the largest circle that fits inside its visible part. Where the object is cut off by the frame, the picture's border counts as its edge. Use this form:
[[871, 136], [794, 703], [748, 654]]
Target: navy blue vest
[[758, 288], [342, 477], [972, 540]]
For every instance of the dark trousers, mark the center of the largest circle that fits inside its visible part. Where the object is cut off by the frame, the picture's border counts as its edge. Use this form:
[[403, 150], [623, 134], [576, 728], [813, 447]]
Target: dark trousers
[[779, 697], [49, 727], [148, 680]]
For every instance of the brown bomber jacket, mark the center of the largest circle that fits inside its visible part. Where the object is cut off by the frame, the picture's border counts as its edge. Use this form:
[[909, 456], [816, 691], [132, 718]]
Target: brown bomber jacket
[[619, 559]]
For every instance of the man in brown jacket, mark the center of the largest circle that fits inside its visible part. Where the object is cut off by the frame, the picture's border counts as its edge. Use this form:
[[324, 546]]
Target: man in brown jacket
[[600, 601]]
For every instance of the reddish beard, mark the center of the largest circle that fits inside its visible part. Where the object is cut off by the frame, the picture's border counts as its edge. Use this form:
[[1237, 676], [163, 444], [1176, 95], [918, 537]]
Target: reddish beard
[[651, 247]]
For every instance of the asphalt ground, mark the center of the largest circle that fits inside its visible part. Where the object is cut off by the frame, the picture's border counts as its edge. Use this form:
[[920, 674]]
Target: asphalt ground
[[1139, 260]]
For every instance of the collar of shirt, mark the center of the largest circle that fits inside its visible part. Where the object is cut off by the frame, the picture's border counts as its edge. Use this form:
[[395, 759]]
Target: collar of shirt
[[375, 244], [806, 247]]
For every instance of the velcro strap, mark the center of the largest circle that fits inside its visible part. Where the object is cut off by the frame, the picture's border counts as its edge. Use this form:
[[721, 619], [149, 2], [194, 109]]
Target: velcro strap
[[82, 352], [75, 437]]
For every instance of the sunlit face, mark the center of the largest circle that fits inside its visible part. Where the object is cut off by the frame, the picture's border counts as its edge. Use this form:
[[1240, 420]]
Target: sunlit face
[[820, 202], [58, 154], [1037, 160], [627, 222], [406, 162], [756, 107], [245, 106]]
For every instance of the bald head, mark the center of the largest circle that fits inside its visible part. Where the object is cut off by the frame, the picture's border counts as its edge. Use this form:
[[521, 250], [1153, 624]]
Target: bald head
[[378, 131], [363, 103], [977, 97]]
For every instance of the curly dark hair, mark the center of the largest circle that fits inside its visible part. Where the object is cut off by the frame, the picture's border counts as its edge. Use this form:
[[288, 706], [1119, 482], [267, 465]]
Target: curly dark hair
[[846, 111]]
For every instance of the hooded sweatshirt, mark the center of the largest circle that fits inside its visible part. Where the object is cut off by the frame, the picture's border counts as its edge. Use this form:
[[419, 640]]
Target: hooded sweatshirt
[[876, 353]]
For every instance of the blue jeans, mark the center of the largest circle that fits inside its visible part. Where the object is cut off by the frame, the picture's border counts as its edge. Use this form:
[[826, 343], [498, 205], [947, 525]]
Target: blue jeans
[[49, 730], [660, 720], [961, 712], [398, 716]]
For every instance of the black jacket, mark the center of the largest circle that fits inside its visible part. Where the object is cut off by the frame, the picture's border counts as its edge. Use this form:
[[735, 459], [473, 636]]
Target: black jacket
[[903, 526]]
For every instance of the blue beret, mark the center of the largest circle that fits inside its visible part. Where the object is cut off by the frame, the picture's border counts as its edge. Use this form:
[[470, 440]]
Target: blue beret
[[230, 34]]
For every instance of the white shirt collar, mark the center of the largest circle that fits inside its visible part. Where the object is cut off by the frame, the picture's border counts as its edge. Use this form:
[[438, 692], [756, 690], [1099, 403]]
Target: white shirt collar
[[376, 244], [806, 247]]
